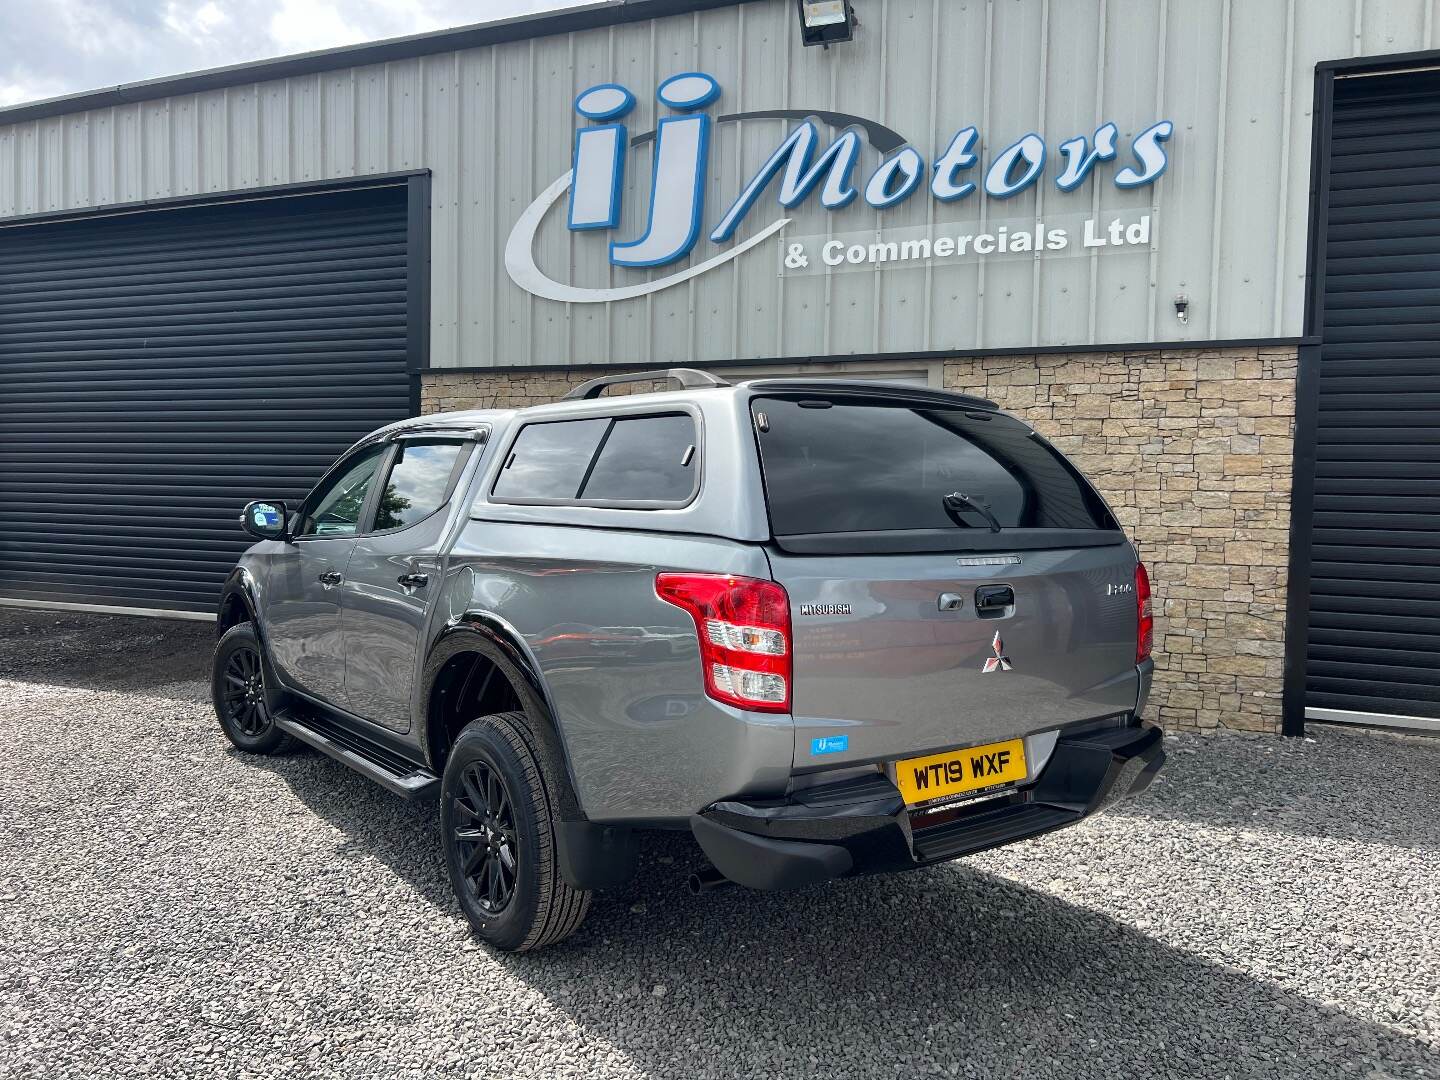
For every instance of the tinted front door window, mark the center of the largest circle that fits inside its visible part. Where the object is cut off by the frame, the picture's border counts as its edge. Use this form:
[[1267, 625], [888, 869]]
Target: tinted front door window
[[334, 509]]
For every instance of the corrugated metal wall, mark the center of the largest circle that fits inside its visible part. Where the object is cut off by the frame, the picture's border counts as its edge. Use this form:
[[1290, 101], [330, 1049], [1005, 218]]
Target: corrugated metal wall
[[159, 370], [1374, 584], [495, 126]]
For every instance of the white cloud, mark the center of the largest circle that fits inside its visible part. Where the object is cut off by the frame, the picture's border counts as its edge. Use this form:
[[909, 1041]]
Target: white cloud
[[14, 93], [306, 25], [195, 24], [66, 46]]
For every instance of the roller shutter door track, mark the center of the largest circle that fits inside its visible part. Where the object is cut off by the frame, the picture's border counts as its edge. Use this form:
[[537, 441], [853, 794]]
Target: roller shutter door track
[[160, 369], [1374, 634]]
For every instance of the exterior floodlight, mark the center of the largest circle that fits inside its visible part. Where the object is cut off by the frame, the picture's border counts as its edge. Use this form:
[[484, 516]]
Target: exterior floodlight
[[825, 22]]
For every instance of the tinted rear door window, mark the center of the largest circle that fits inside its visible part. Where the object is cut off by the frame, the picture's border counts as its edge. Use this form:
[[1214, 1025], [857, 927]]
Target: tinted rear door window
[[418, 483], [835, 467], [645, 459]]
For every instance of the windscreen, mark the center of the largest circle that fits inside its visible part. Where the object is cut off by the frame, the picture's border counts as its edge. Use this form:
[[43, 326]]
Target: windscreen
[[836, 466]]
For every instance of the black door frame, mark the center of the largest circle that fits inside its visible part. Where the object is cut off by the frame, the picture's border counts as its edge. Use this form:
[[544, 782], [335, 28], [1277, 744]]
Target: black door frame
[[1307, 375]]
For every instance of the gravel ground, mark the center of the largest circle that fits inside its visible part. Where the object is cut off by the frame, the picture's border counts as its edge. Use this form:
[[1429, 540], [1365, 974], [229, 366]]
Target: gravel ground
[[170, 908]]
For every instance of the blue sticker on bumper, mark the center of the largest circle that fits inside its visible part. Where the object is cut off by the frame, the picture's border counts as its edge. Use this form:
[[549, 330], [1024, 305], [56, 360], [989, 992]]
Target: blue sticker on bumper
[[831, 744]]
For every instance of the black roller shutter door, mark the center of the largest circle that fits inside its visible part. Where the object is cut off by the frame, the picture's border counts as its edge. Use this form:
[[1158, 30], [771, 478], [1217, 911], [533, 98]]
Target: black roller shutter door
[[159, 369], [1374, 634]]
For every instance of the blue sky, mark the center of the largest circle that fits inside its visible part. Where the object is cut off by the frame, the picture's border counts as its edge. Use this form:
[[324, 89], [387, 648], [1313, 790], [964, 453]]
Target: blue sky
[[57, 47]]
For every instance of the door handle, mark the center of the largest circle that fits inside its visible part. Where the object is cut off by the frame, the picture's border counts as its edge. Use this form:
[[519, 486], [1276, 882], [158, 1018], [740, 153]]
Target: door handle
[[991, 600], [331, 577], [414, 581], [951, 601]]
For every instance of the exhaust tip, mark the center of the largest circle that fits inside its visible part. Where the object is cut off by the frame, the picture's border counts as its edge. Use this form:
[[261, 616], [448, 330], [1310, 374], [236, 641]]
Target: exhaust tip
[[705, 880]]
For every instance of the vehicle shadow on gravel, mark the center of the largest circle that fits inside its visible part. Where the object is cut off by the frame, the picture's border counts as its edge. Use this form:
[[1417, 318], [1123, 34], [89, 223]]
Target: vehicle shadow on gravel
[[951, 966], [951, 971]]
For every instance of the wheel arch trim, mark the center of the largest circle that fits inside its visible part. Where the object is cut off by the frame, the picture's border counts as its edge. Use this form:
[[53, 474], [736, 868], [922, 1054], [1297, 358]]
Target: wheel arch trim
[[241, 584], [486, 634]]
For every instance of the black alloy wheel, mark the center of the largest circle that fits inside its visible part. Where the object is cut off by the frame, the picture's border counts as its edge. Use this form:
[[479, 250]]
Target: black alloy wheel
[[244, 693], [484, 832], [498, 829], [237, 689]]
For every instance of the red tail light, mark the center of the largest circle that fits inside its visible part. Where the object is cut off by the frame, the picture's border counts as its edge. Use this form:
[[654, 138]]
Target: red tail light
[[744, 630], [1145, 639]]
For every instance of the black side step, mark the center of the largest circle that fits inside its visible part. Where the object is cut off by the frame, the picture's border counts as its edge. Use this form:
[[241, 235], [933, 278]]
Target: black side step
[[386, 768]]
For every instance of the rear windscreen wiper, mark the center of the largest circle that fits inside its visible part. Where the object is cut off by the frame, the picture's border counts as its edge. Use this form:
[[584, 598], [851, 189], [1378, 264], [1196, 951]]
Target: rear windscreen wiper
[[957, 501]]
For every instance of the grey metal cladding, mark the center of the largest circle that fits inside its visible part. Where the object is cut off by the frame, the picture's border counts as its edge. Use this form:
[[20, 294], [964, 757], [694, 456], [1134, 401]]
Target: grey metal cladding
[[494, 124]]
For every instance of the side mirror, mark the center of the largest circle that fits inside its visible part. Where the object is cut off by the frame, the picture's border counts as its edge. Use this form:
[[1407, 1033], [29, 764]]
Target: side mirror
[[265, 520]]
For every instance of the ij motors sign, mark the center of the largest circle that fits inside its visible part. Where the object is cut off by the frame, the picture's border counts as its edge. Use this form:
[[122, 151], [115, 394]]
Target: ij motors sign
[[803, 167]]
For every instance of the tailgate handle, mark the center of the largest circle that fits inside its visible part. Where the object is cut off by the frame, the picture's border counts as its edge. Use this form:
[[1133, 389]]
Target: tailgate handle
[[994, 599]]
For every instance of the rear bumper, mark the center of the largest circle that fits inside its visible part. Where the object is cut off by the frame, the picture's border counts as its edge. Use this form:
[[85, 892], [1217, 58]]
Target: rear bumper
[[862, 826]]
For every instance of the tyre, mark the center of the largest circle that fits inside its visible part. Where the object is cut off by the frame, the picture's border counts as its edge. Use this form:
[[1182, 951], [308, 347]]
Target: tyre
[[498, 828], [237, 686]]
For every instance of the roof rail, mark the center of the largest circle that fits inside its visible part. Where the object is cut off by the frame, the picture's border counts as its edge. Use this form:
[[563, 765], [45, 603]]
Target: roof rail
[[688, 378]]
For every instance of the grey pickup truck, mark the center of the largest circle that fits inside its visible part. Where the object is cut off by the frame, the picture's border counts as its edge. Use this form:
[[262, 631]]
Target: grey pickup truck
[[828, 627]]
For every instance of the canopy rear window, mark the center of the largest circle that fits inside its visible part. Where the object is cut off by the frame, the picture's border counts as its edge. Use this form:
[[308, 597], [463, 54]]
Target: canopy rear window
[[837, 466]]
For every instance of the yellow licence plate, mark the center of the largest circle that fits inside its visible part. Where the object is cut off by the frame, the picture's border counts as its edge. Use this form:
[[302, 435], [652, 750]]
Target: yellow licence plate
[[955, 772]]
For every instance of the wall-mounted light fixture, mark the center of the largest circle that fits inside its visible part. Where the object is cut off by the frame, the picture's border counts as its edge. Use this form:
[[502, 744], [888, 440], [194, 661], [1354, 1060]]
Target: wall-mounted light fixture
[[826, 22]]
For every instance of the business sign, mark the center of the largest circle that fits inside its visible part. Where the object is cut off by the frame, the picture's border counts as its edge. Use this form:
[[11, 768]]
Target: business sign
[[800, 168], [1055, 236]]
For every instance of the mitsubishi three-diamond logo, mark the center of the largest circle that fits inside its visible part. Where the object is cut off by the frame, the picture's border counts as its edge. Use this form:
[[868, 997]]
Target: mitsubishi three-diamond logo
[[998, 662]]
